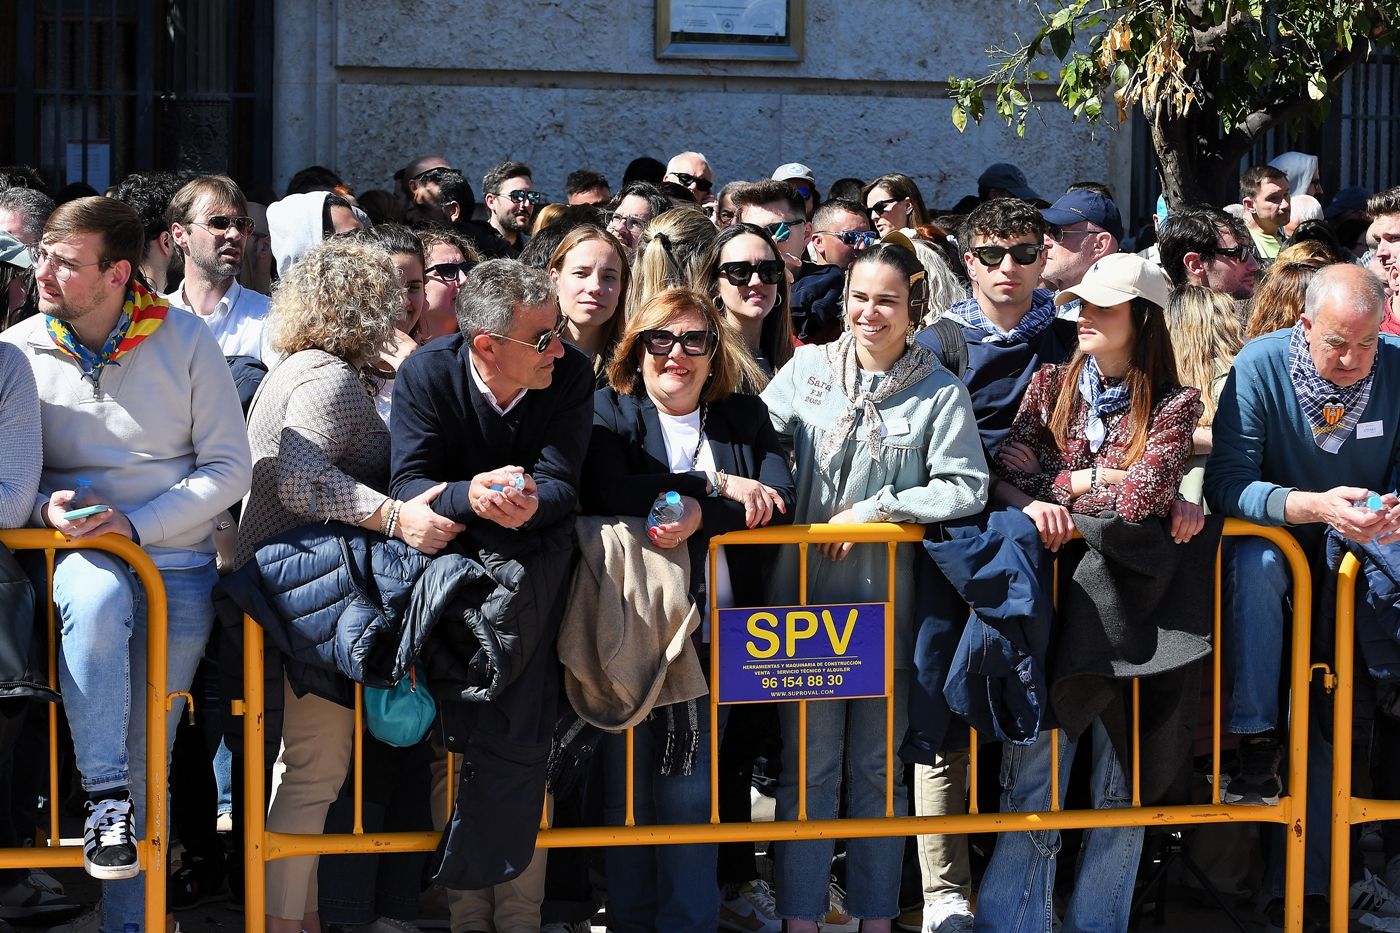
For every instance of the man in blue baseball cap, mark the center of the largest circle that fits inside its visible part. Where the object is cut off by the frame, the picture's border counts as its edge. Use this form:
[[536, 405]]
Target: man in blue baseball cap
[[1004, 180], [1084, 226]]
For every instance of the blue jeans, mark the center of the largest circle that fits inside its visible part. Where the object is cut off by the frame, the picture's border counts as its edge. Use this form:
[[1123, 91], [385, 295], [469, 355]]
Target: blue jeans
[[1018, 890], [842, 736], [669, 887], [1255, 630], [102, 671]]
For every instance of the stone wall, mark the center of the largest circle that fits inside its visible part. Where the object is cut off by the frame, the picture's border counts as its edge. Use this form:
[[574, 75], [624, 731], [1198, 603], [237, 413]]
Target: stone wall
[[362, 85]]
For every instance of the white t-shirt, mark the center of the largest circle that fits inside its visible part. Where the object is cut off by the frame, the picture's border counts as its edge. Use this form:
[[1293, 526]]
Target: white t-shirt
[[237, 321], [682, 433]]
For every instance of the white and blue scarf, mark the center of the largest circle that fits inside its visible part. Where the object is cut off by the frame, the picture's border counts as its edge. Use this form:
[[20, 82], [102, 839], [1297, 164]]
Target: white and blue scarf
[[1102, 401], [1332, 411]]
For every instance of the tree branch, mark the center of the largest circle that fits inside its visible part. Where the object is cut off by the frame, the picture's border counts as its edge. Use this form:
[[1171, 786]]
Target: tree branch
[[1249, 129], [1210, 39]]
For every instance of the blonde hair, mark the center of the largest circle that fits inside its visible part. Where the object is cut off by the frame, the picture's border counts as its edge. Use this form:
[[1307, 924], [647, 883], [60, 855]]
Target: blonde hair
[[341, 296], [1278, 302], [671, 253], [546, 216], [731, 364], [1206, 336]]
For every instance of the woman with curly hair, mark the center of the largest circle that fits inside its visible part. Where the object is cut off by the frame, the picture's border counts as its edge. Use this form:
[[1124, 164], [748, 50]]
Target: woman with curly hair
[[1278, 303], [321, 453]]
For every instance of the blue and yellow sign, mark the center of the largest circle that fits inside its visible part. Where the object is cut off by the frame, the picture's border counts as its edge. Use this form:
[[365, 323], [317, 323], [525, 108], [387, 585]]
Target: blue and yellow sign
[[801, 653]]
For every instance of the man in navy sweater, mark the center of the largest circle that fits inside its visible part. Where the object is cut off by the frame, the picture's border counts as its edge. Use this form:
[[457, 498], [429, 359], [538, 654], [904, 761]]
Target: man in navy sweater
[[501, 412]]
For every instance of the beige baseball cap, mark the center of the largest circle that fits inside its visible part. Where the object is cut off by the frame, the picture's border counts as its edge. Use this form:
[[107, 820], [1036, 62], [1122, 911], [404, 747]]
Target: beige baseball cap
[[1117, 278]]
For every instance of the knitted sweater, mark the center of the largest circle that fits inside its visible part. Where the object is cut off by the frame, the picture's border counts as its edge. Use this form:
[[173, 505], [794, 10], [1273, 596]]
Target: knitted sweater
[[161, 435], [21, 441], [930, 468], [1263, 447]]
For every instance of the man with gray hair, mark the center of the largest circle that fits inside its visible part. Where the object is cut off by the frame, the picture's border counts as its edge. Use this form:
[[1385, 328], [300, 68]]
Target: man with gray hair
[[498, 416], [23, 212], [691, 170], [1305, 437], [22, 215]]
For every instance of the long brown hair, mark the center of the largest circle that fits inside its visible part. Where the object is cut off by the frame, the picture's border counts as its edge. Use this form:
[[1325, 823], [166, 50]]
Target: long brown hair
[[612, 327], [1151, 374], [1278, 303]]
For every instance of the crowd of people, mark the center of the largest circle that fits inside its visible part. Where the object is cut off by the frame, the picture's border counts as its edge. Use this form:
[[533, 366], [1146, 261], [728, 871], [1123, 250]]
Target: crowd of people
[[424, 443]]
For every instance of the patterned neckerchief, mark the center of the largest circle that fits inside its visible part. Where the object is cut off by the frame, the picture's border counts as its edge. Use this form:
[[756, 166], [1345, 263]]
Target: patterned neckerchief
[[1101, 400], [915, 364], [1039, 317], [142, 313], [1332, 411]]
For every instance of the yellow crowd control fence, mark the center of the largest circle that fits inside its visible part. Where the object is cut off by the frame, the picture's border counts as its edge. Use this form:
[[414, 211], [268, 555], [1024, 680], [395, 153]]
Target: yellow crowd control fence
[[262, 846], [1347, 810], [151, 850]]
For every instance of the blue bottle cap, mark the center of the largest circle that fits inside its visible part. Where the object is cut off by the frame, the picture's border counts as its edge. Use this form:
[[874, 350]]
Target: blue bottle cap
[[673, 498]]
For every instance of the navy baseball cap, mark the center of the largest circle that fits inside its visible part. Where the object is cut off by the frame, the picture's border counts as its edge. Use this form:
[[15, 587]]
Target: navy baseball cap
[[1008, 177], [1079, 206]]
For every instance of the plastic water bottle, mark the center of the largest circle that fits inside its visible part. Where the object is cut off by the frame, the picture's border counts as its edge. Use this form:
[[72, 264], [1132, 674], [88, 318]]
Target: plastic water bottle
[[1372, 501], [666, 509], [83, 494]]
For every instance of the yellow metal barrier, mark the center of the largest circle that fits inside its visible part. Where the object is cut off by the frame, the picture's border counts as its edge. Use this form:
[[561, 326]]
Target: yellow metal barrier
[[1347, 810], [150, 851], [263, 846]]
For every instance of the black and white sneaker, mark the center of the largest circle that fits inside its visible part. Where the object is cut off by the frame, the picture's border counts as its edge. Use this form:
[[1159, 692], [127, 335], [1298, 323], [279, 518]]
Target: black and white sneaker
[[109, 841], [1255, 782]]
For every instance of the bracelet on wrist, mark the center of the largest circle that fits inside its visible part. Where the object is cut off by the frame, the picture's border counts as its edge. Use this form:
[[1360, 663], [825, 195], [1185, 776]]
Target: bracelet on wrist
[[393, 517]]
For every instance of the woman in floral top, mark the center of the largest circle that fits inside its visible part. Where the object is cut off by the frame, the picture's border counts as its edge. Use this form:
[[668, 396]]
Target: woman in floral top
[[1109, 431]]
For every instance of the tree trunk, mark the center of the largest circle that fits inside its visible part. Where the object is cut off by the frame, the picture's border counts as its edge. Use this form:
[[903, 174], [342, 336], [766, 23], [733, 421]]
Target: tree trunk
[[1173, 142]]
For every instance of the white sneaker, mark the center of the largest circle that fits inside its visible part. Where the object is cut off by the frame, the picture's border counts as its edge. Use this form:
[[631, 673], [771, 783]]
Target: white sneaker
[[109, 841], [949, 914], [1392, 874], [836, 919], [1379, 924], [751, 910], [1371, 896]]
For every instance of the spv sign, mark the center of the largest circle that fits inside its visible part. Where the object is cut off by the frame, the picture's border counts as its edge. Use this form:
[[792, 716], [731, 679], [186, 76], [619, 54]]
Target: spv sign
[[801, 653]]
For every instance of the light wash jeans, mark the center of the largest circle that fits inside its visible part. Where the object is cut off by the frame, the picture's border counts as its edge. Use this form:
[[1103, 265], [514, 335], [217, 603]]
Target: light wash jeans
[[1018, 890], [668, 887], [102, 671], [1256, 632], [845, 745]]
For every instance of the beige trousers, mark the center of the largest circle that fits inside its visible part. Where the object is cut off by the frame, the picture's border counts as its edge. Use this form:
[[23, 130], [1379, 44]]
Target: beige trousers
[[317, 741], [941, 789]]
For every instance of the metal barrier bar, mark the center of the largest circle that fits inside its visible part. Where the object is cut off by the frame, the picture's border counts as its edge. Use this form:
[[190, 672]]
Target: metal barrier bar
[[151, 852], [263, 846]]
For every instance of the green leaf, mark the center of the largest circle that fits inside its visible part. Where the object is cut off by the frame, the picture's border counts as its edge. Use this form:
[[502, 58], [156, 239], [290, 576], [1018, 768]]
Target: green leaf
[[1040, 76], [1060, 42], [1093, 108], [1018, 98], [960, 117], [1317, 86], [1121, 74]]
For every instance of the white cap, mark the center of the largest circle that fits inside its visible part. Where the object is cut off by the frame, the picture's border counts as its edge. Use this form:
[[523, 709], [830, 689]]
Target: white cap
[[1117, 278]]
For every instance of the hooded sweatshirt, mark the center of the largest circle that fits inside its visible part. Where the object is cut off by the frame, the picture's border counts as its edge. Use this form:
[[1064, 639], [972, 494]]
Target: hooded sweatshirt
[[295, 223], [1300, 168]]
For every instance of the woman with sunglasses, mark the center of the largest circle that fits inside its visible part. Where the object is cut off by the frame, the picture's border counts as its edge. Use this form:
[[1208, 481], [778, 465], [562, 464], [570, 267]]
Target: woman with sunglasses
[[879, 432], [894, 203], [590, 271], [447, 258], [1108, 431], [670, 418], [748, 282]]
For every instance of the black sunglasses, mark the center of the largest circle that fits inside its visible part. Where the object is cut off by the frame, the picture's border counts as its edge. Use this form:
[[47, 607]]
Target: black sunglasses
[[521, 196], [1236, 253], [542, 343], [221, 222], [879, 207], [693, 342], [1023, 253], [770, 271], [431, 174], [452, 271], [686, 180]]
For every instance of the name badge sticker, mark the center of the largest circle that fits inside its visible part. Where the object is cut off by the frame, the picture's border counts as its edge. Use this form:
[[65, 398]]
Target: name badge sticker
[[894, 427], [1370, 429]]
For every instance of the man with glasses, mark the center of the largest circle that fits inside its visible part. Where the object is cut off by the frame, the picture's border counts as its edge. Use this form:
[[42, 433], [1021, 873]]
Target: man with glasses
[[632, 209], [776, 207], [443, 197], [138, 408], [841, 232], [511, 199], [1203, 245], [209, 221], [802, 180], [407, 178], [1084, 227], [691, 170], [22, 215], [500, 412]]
